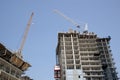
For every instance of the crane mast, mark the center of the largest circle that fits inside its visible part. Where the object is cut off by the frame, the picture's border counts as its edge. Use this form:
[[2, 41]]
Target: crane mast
[[67, 18], [25, 36]]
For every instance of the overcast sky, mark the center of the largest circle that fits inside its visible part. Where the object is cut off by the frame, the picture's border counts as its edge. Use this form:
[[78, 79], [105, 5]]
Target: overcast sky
[[102, 16]]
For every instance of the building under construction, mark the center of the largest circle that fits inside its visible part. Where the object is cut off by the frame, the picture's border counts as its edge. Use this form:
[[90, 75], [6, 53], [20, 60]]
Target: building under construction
[[84, 56], [11, 66]]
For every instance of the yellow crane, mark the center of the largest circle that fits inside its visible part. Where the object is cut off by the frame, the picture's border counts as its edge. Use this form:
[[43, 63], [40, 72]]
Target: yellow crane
[[19, 52]]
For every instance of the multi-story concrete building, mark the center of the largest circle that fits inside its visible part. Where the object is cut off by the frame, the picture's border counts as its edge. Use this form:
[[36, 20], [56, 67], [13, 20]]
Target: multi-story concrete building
[[26, 78], [11, 66], [84, 56]]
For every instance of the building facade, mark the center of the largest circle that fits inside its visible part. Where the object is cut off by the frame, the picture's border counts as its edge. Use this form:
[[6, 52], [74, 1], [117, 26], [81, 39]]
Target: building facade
[[11, 66], [84, 56], [26, 78]]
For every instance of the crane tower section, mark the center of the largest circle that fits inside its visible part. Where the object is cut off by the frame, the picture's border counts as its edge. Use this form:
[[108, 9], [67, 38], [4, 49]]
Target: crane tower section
[[19, 52], [67, 18]]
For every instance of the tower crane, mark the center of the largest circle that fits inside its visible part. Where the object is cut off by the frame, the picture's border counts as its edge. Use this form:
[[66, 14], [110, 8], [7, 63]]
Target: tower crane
[[67, 18], [19, 52]]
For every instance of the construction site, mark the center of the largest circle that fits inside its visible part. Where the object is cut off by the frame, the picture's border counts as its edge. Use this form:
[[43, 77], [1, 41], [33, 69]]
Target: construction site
[[83, 55], [79, 56], [12, 65]]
